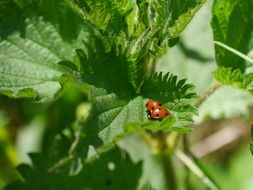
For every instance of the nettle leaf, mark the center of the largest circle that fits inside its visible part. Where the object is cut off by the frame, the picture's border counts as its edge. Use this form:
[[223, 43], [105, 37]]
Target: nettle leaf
[[137, 31], [30, 51], [147, 187], [236, 78], [153, 174], [113, 118], [118, 109], [181, 117], [138, 56], [229, 108], [113, 169], [108, 172], [132, 112], [170, 17], [113, 71], [107, 15], [182, 12], [183, 111], [232, 24], [166, 88]]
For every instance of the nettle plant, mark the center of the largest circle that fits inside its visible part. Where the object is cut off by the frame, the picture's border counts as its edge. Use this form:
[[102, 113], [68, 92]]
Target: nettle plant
[[109, 49]]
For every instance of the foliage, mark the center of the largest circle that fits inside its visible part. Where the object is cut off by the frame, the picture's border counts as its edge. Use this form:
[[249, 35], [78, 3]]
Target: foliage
[[228, 107], [28, 57], [232, 25], [166, 88], [115, 167], [108, 50], [236, 78]]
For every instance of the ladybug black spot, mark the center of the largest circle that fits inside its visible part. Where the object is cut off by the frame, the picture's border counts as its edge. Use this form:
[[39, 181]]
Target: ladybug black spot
[[160, 104], [153, 107], [146, 104], [166, 113], [157, 115], [159, 108]]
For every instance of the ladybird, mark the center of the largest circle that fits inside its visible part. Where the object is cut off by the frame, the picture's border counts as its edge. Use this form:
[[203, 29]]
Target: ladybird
[[152, 104], [158, 113]]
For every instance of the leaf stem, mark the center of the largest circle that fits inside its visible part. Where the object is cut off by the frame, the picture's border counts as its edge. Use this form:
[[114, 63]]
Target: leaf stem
[[236, 52], [207, 93], [160, 145], [61, 163], [67, 159], [187, 170], [196, 170], [169, 172], [166, 156]]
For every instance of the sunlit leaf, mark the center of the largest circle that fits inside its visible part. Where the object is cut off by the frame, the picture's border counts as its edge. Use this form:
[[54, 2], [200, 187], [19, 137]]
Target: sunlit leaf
[[30, 51]]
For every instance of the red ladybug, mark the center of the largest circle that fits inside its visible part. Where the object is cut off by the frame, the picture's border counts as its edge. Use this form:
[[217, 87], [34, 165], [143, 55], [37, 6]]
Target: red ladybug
[[158, 113], [152, 104]]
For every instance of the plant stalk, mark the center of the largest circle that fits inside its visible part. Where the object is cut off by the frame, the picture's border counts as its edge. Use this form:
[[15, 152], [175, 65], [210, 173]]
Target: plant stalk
[[207, 93], [166, 155], [169, 171]]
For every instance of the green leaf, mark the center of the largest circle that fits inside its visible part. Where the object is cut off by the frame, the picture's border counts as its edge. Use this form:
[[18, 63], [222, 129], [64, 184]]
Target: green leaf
[[137, 31], [137, 57], [166, 88], [25, 170], [184, 113], [191, 55], [234, 51], [113, 118], [229, 107], [117, 108], [232, 24], [132, 112], [182, 12], [166, 125], [30, 51], [179, 120], [236, 78], [107, 15], [152, 165], [146, 187], [110, 171]]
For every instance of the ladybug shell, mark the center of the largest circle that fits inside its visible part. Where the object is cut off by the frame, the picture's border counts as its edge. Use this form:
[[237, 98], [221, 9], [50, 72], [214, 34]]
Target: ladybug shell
[[152, 104], [159, 113]]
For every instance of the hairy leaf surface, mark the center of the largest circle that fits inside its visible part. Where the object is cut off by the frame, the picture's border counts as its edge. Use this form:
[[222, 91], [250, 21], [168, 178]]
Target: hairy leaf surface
[[30, 51]]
